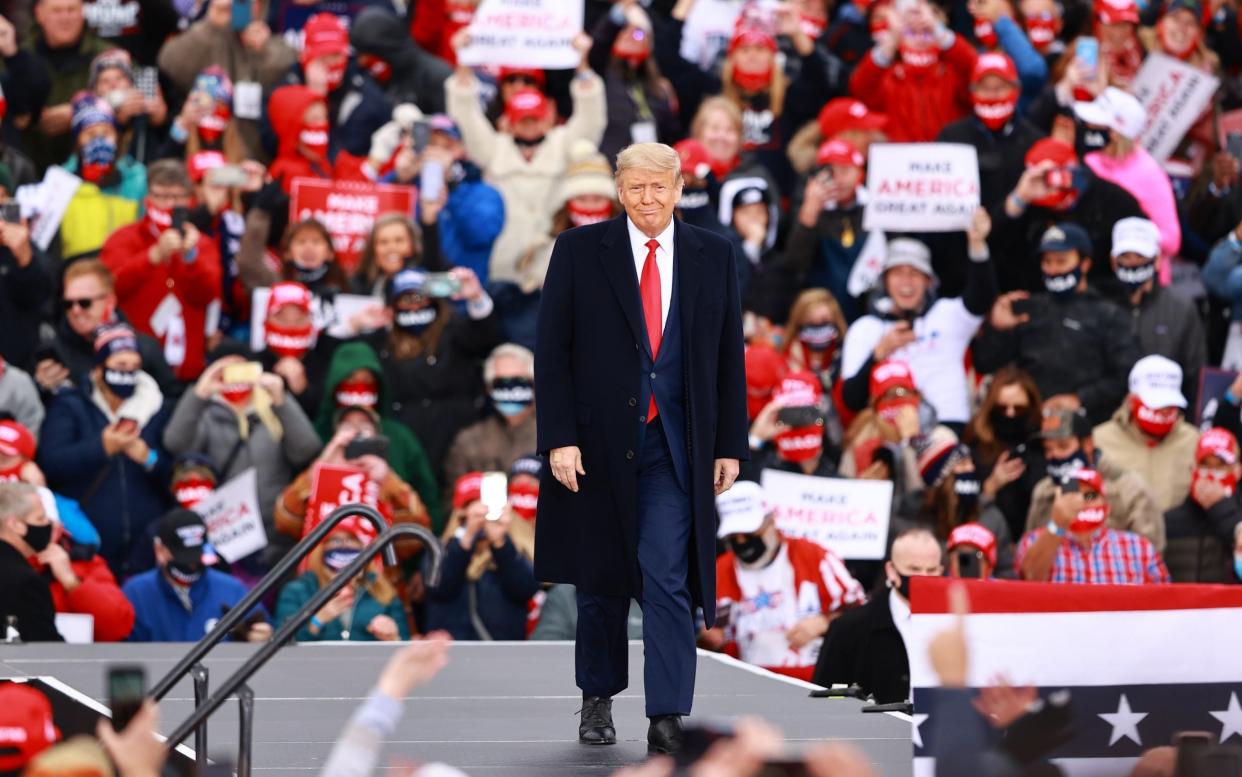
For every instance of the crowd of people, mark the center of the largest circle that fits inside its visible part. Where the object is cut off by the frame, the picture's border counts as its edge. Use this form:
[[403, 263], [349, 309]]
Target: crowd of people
[[171, 319]]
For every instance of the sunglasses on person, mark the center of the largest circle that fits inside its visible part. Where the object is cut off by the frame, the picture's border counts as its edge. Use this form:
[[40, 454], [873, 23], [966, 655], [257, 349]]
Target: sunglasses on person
[[83, 303]]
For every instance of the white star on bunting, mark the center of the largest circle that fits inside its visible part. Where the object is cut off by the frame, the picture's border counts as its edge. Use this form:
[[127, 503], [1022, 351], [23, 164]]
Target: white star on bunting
[[1124, 722], [1230, 718]]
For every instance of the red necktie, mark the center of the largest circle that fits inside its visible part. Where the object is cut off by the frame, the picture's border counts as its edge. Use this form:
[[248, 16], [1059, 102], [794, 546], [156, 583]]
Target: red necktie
[[649, 289]]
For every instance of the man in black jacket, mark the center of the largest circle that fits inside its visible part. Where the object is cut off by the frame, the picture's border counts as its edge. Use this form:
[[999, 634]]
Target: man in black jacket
[[865, 645], [25, 595], [1077, 345], [401, 67], [1202, 530], [1056, 187]]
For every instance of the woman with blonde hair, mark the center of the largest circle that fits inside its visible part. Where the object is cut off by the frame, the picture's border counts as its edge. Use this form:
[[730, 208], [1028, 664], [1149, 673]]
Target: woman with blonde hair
[[366, 610], [488, 574], [394, 243], [813, 335]]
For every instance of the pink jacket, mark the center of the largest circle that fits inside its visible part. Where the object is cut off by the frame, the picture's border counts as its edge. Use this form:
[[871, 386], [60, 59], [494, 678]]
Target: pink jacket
[[1141, 176]]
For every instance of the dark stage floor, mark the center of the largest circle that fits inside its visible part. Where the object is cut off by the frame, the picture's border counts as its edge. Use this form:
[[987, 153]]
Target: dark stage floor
[[499, 708]]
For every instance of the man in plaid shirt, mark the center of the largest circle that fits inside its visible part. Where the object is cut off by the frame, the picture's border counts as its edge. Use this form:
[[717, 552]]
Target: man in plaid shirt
[[1082, 546]]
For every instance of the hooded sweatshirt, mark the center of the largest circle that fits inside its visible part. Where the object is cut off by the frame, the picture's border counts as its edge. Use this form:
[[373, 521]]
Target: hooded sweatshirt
[[405, 453], [417, 77], [285, 109]]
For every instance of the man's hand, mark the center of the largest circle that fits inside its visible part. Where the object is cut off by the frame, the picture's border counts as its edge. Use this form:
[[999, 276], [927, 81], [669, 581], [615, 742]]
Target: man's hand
[[117, 438], [414, 665], [137, 449], [384, 628], [1065, 508], [1002, 317], [947, 650], [766, 425], [169, 243], [260, 631], [51, 374], [471, 288], [136, 751], [1004, 472], [894, 340], [582, 44], [294, 373], [726, 472], [1002, 704], [980, 228], [1032, 186], [1208, 492], [274, 386], [566, 466], [16, 238], [56, 558], [807, 630]]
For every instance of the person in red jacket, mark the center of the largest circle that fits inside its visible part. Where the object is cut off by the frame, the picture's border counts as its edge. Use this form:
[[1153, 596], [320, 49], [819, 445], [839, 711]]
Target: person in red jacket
[[918, 74], [166, 277], [81, 583], [299, 117]]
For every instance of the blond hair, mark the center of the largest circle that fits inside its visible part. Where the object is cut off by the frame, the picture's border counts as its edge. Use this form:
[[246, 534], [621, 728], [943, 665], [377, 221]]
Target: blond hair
[[717, 103], [657, 157]]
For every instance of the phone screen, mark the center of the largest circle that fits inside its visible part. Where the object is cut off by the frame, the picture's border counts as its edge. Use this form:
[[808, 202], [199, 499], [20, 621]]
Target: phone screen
[[240, 19], [1087, 51], [494, 493], [127, 687]]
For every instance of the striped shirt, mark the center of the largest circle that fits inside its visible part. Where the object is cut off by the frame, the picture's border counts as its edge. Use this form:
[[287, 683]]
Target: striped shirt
[[1113, 557]]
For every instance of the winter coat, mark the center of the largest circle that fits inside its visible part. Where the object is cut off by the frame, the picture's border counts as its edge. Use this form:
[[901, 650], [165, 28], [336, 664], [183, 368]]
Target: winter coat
[[1141, 175], [77, 353], [25, 83], [1081, 345], [1222, 275], [1168, 324], [161, 615], [127, 181], [121, 497], [210, 427], [526, 187], [470, 222], [437, 394], [918, 104], [822, 259], [488, 445], [296, 593], [356, 109], [1166, 466], [160, 298], [1201, 542], [497, 599], [417, 76], [92, 216], [69, 69], [1132, 505], [26, 597], [23, 293], [97, 595], [657, 107], [186, 55], [406, 454]]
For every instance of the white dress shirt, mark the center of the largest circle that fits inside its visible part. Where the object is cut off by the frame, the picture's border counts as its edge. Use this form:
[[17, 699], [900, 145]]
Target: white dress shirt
[[664, 263]]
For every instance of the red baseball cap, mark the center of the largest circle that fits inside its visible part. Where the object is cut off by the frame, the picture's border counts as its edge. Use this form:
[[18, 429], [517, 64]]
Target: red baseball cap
[[994, 63], [840, 152], [1052, 149], [752, 37], [16, 440], [1116, 11], [846, 113], [798, 389], [891, 374], [324, 34], [695, 161], [1090, 478], [533, 73], [469, 488], [200, 163], [26, 725], [358, 527], [977, 536], [288, 293], [1216, 442], [525, 104], [765, 368]]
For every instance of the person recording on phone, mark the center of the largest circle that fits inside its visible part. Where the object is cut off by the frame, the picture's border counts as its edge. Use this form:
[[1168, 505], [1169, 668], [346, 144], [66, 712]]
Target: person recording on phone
[[242, 416], [101, 445], [908, 322], [432, 353], [488, 574], [167, 272], [1078, 346]]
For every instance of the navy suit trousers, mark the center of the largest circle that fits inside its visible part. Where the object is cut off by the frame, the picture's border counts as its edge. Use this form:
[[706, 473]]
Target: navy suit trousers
[[664, 523]]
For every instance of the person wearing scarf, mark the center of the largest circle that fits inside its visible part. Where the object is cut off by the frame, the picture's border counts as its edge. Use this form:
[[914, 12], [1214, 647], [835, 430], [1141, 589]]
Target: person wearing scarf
[[166, 278]]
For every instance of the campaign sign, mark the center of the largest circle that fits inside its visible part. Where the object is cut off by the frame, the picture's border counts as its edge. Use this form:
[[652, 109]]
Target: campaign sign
[[1174, 95], [921, 187], [333, 485], [348, 209], [234, 522], [523, 33], [849, 517]]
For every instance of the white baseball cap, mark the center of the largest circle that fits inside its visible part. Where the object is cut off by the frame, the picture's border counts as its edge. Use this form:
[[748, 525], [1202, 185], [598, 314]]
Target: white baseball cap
[[1157, 382], [742, 509], [1118, 110], [1138, 235]]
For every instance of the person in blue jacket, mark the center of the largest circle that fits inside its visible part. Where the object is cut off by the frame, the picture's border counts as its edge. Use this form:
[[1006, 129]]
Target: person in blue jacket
[[100, 446], [367, 610], [488, 574], [182, 598]]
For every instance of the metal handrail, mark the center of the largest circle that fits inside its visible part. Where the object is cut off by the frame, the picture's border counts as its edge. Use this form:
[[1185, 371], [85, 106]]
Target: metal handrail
[[273, 578], [296, 621]]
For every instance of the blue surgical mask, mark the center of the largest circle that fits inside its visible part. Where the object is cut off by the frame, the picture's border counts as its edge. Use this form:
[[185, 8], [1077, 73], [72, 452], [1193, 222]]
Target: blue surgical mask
[[1065, 285], [123, 383], [1060, 469], [99, 151]]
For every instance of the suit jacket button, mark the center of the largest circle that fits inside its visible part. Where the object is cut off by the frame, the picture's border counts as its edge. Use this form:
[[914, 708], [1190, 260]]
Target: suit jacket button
[[653, 376], [642, 419], [629, 454], [633, 402]]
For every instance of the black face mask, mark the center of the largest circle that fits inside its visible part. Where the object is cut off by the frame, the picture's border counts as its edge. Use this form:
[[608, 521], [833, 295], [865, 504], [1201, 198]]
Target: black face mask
[[523, 143], [186, 574], [513, 391], [1135, 278], [903, 587], [1012, 431], [123, 383], [415, 322], [966, 485], [1060, 469], [309, 276], [1065, 285], [1088, 139], [39, 537], [748, 550]]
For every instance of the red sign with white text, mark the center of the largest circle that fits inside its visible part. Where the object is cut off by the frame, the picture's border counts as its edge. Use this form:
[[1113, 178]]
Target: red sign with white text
[[348, 209]]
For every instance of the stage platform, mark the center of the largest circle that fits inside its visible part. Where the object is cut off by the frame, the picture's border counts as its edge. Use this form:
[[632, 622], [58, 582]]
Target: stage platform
[[498, 708]]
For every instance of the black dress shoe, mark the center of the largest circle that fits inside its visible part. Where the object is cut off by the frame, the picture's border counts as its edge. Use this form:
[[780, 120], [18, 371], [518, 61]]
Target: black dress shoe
[[664, 735], [595, 726]]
